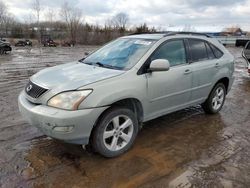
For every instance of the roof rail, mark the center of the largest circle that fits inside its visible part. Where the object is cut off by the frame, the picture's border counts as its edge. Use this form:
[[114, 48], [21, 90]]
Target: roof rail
[[186, 33], [154, 32], [171, 33]]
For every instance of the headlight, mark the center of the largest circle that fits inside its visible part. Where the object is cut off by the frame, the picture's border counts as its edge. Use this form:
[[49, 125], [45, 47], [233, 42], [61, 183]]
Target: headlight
[[69, 100]]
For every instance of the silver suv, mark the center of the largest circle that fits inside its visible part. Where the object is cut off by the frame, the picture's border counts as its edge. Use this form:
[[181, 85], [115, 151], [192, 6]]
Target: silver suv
[[103, 99]]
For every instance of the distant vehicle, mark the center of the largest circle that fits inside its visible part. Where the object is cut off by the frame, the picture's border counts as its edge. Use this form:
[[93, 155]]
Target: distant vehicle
[[24, 43], [241, 42], [103, 99], [49, 43], [68, 44], [4, 47], [246, 55]]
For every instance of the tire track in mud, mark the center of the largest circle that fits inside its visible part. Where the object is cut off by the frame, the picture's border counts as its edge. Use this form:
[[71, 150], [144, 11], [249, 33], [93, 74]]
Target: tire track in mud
[[197, 172]]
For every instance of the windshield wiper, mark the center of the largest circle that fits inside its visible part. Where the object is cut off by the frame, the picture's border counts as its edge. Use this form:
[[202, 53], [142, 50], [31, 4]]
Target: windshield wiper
[[99, 64], [81, 60], [108, 66], [91, 63]]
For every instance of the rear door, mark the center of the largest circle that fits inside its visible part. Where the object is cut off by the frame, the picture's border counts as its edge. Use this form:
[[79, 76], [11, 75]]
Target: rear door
[[205, 64]]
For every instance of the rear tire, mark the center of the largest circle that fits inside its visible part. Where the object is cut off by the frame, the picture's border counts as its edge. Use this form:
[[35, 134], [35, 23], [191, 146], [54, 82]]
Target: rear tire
[[216, 99], [115, 132]]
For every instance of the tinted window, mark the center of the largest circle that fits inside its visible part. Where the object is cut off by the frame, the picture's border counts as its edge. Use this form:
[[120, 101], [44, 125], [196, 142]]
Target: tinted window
[[198, 50], [173, 51], [248, 46], [210, 53], [217, 52]]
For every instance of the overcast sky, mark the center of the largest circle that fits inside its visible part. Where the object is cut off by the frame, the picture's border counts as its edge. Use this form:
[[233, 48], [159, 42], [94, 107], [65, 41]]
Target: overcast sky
[[158, 13]]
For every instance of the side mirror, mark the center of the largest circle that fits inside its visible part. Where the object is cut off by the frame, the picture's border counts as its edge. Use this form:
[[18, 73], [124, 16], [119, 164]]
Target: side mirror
[[159, 65]]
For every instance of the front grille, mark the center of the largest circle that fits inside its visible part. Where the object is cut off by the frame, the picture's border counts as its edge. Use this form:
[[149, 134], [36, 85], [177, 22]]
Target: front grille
[[34, 90]]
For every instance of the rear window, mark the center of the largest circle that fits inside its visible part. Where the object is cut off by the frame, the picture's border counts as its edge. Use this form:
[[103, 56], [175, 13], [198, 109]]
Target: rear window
[[198, 50]]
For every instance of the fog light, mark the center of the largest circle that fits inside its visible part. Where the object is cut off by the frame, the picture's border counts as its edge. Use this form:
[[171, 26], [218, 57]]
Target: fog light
[[64, 129]]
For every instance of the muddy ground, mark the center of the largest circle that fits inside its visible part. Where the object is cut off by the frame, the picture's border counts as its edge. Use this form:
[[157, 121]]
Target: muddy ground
[[184, 149]]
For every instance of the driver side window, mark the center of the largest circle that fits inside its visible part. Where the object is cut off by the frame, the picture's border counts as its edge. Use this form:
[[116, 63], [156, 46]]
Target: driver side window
[[173, 51]]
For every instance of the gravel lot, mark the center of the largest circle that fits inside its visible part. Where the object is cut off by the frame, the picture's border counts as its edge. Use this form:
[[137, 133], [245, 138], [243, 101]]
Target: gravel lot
[[183, 149]]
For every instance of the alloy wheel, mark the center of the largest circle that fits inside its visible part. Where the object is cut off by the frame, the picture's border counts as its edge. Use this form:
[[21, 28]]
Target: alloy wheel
[[118, 133], [218, 98]]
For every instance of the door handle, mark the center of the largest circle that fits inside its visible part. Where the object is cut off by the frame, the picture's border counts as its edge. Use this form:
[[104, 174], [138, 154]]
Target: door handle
[[217, 65], [187, 71]]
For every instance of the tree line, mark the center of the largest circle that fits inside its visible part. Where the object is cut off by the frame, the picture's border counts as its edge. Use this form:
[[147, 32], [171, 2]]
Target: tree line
[[71, 26]]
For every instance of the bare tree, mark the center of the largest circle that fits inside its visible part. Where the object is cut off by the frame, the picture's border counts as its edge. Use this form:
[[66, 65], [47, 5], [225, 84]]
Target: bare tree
[[2, 9], [73, 17], [8, 21], [50, 14], [3, 12], [109, 24], [37, 9], [120, 21]]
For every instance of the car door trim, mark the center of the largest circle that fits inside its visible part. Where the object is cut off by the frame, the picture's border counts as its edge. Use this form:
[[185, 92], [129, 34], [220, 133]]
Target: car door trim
[[179, 93]]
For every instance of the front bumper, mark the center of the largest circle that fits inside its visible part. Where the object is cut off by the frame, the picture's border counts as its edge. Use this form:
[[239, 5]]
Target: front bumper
[[48, 119]]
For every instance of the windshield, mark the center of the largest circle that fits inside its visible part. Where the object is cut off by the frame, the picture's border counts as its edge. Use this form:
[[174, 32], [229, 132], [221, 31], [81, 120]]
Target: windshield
[[122, 53]]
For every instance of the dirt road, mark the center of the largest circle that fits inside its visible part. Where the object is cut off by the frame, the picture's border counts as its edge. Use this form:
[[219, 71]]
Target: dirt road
[[183, 149]]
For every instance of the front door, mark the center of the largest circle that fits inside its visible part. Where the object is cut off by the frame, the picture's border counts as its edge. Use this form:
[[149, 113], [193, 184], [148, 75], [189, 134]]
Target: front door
[[169, 90]]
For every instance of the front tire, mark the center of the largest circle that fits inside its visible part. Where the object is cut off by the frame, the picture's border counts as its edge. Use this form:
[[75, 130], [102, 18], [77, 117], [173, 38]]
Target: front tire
[[216, 99], [115, 132]]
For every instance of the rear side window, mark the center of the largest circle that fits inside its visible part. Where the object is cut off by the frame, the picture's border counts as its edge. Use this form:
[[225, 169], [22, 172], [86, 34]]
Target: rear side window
[[248, 46], [198, 50], [218, 54], [210, 53], [174, 51]]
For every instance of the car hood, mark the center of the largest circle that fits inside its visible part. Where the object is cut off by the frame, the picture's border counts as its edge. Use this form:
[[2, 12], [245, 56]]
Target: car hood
[[71, 76]]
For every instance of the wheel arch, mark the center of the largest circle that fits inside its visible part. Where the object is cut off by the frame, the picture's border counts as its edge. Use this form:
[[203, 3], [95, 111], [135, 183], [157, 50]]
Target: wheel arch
[[131, 103], [225, 81]]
